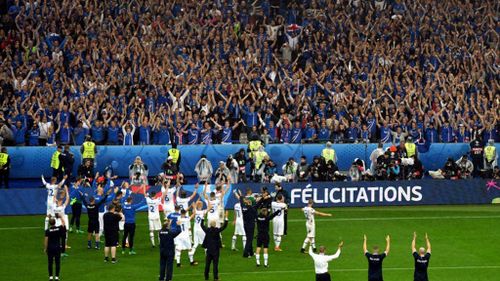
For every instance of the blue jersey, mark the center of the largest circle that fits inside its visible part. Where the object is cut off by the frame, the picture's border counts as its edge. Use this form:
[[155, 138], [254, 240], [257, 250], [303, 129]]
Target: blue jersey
[[206, 137], [173, 217], [34, 134], [431, 135], [193, 135], [80, 134], [286, 135], [252, 119], [113, 133], [296, 135], [227, 135], [310, 132], [324, 134], [385, 134], [65, 135], [447, 134], [97, 133], [163, 135], [129, 211], [144, 135]]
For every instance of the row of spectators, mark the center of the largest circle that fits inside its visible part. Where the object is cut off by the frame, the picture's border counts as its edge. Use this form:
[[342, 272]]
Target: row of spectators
[[191, 71]]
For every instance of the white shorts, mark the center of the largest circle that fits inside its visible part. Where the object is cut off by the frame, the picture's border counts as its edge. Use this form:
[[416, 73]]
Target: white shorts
[[154, 224], [182, 242], [199, 236], [311, 230], [278, 227], [121, 225], [239, 229], [65, 219], [50, 208], [101, 223]]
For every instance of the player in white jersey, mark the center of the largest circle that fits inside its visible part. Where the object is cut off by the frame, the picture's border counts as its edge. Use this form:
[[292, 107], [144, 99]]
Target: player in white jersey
[[168, 200], [52, 189], [60, 204], [219, 194], [213, 203], [309, 213], [183, 200], [198, 233], [153, 215], [278, 220], [239, 229], [182, 241]]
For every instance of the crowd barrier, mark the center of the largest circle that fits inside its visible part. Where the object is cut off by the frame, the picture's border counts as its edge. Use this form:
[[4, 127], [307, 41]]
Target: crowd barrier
[[325, 194], [31, 162]]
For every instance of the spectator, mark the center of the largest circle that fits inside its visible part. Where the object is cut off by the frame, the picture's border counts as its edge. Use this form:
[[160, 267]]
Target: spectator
[[466, 167], [86, 171], [290, 170], [222, 174], [302, 171], [138, 172], [242, 165], [204, 170]]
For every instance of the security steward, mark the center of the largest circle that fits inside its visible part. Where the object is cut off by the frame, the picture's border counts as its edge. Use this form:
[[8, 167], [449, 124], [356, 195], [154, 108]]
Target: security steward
[[212, 243], [329, 153], [56, 163], [88, 150], [411, 147], [167, 250], [4, 167], [176, 155], [253, 146], [490, 156]]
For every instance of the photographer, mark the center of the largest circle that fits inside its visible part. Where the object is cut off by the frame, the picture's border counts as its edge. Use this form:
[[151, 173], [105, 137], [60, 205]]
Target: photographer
[[170, 171], [290, 170], [394, 170], [242, 160], [416, 171], [138, 172], [466, 167], [232, 165], [317, 169], [86, 171], [204, 170], [303, 170], [222, 173]]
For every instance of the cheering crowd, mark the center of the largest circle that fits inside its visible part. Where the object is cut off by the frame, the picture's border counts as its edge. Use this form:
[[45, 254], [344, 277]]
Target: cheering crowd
[[190, 72]]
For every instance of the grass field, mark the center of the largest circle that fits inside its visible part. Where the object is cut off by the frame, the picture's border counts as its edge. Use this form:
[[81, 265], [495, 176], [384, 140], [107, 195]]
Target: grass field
[[465, 242]]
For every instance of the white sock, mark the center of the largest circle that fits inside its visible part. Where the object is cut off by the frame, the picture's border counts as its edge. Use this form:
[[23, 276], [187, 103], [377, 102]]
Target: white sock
[[152, 237], [244, 238], [305, 242], [233, 242], [193, 250], [313, 243], [277, 240], [191, 258], [266, 257], [46, 223], [178, 256], [257, 258]]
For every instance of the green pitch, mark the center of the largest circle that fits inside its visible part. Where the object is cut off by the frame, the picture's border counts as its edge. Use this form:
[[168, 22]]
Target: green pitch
[[465, 242]]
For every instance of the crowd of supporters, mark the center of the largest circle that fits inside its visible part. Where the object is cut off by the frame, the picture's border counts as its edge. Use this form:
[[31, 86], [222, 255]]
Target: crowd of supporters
[[199, 71]]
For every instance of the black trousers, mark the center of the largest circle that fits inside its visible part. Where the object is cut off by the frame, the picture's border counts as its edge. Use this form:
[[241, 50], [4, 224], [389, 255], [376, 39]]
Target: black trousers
[[166, 267], [214, 257], [249, 233], [54, 257], [76, 213], [63, 239], [57, 173], [323, 277], [4, 178], [128, 231]]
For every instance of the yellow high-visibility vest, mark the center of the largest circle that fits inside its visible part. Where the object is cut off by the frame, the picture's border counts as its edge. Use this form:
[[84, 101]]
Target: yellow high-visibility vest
[[4, 157], [88, 150], [259, 156], [411, 149], [490, 153], [174, 153], [328, 154], [254, 146], [54, 162]]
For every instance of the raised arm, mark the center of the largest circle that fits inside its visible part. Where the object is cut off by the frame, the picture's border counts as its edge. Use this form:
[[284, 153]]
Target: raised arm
[[388, 245], [428, 243], [322, 214], [365, 249], [413, 243]]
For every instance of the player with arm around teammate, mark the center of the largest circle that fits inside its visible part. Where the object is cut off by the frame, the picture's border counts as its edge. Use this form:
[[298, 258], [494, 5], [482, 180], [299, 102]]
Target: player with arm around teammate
[[279, 220], [52, 189], [153, 203], [309, 213], [321, 262], [375, 259], [263, 220], [422, 258]]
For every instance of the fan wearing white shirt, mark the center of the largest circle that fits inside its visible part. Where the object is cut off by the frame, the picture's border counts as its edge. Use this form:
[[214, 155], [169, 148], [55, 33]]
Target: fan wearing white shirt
[[309, 213], [321, 261], [52, 189], [153, 215]]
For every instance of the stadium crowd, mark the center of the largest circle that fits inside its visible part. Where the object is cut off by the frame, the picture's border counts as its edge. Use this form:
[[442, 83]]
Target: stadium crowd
[[189, 72]]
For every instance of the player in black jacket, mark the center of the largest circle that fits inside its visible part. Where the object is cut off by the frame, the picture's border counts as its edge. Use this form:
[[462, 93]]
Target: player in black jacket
[[263, 220], [52, 246], [167, 250], [93, 214]]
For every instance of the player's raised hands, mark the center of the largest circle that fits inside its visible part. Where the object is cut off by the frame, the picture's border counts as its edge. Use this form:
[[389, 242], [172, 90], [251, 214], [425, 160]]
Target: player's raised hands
[[414, 235], [341, 244], [364, 237], [388, 238]]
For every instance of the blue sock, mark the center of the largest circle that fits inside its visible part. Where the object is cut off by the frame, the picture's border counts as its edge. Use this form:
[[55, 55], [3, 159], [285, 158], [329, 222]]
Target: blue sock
[[97, 244], [89, 243]]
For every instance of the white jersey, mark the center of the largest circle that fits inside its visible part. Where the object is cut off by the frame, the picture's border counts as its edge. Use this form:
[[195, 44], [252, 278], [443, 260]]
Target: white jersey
[[278, 206], [183, 203], [238, 213], [153, 210], [199, 216], [185, 225], [212, 213], [168, 196], [61, 215], [309, 214], [51, 192]]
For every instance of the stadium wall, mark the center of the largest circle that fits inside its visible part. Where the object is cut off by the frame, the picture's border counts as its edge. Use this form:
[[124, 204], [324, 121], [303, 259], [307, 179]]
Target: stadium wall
[[326, 194], [31, 162]]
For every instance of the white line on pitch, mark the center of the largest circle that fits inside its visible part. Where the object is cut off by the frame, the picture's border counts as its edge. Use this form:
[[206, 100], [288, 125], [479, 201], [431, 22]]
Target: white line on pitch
[[352, 270], [333, 220]]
